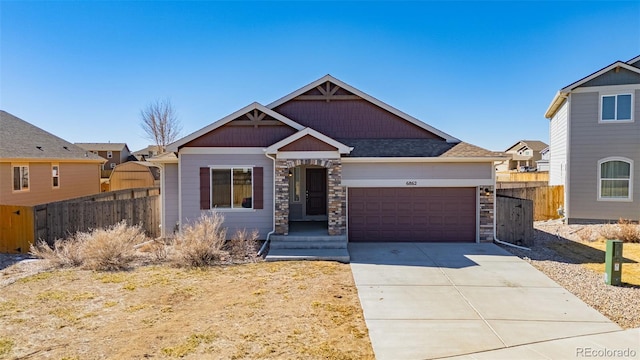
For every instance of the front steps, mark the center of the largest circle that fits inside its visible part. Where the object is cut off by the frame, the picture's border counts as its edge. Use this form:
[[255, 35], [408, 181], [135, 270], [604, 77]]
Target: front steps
[[308, 247]]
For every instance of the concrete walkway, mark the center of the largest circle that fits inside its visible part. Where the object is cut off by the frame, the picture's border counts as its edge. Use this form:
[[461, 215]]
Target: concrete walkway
[[426, 301]]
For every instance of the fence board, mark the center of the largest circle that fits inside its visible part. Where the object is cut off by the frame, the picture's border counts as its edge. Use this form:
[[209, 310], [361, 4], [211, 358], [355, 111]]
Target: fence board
[[546, 199], [514, 220]]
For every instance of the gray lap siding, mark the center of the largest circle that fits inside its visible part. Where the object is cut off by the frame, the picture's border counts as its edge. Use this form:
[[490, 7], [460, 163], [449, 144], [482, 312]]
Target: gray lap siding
[[592, 141], [260, 219]]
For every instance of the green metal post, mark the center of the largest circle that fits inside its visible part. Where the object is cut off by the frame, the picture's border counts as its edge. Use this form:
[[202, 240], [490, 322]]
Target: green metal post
[[613, 263]]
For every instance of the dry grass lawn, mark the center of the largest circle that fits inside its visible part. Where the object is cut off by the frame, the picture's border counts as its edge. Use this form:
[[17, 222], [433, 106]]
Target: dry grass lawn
[[591, 254], [282, 310]]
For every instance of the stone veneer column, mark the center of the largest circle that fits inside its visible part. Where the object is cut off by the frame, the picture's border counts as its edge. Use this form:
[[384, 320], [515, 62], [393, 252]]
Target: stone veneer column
[[336, 198], [487, 199], [282, 197], [336, 194]]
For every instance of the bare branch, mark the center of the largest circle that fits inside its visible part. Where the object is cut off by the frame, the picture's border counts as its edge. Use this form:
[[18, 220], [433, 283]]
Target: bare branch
[[160, 123]]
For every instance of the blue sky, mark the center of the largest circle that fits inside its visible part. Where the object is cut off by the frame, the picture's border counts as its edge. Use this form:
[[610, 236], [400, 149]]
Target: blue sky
[[483, 72]]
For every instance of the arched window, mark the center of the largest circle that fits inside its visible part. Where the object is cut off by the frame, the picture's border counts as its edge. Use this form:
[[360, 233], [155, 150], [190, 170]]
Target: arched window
[[615, 179]]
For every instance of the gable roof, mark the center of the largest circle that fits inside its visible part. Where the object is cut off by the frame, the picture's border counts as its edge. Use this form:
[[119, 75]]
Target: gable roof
[[253, 106], [20, 140], [561, 95], [342, 148], [366, 97], [534, 145], [103, 146], [145, 151]]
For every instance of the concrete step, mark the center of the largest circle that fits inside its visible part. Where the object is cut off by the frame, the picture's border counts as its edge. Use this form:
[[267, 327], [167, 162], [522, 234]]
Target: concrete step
[[308, 237], [341, 255], [308, 244]]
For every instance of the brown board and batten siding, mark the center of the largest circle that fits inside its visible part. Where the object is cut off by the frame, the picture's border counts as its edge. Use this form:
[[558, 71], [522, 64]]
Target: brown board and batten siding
[[591, 142], [308, 143], [194, 172], [351, 119]]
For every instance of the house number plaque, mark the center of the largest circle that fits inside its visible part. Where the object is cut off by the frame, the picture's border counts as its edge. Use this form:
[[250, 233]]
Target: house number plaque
[[411, 183]]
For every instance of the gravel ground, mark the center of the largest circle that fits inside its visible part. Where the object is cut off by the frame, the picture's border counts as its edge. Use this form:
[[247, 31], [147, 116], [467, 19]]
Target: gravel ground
[[620, 304]]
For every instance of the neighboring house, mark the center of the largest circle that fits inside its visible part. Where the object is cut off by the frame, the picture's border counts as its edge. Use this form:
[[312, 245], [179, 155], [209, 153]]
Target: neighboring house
[[37, 167], [595, 144], [543, 163], [524, 153], [134, 174], [147, 153], [114, 153], [329, 152]]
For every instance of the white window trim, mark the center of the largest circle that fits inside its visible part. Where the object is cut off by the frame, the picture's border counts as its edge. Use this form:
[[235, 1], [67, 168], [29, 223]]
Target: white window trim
[[229, 167], [615, 121], [21, 165], [615, 158], [58, 176]]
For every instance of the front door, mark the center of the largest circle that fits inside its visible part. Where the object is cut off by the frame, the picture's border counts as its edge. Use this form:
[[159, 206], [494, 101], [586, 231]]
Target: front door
[[316, 191]]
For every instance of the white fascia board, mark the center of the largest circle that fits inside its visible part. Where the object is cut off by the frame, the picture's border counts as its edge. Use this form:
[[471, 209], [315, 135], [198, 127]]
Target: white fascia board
[[346, 160], [221, 150], [54, 160], [635, 59], [371, 99], [342, 148], [410, 182], [308, 155], [253, 106]]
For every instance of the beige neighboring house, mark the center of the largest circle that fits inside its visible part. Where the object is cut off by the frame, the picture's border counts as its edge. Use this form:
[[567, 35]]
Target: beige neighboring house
[[147, 153], [37, 167], [523, 156], [114, 153]]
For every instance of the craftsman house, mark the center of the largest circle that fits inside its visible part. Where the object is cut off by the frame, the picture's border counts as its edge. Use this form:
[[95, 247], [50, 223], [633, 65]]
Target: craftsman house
[[330, 154]]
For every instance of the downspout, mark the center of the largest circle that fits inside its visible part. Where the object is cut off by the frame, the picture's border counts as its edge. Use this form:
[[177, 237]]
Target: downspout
[[273, 213]]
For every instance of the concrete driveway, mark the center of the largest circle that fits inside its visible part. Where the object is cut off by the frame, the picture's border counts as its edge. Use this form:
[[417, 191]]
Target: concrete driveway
[[424, 301]]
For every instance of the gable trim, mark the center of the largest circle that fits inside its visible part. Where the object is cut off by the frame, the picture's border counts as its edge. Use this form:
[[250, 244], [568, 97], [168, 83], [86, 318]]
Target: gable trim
[[561, 95], [342, 148], [253, 106], [369, 98]]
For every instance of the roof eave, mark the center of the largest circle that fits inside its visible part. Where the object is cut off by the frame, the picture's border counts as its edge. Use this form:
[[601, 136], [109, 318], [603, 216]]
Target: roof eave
[[437, 159]]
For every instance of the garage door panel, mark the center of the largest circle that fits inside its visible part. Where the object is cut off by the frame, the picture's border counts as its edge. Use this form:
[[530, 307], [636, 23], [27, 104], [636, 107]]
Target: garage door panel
[[412, 214]]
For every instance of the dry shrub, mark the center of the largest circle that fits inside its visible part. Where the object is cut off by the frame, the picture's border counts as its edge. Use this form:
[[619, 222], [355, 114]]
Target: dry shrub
[[107, 249], [200, 244], [624, 230], [65, 252], [242, 245], [587, 234]]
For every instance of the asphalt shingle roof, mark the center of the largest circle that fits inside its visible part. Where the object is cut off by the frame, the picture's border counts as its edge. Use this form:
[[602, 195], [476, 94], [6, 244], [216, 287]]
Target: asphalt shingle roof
[[102, 146], [22, 140], [414, 148]]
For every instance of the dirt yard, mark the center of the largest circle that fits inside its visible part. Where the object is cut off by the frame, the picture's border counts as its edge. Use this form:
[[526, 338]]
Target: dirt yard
[[284, 310]]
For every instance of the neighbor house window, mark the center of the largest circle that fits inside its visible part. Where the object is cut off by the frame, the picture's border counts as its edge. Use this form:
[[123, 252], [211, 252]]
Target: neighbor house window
[[616, 107], [55, 175], [20, 177], [232, 188], [109, 154], [615, 179]]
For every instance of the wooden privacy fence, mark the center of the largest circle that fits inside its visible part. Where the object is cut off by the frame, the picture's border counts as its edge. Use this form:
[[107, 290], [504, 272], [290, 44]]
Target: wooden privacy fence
[[514, 220], [60, 219], [546, 199], [16, 228]]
